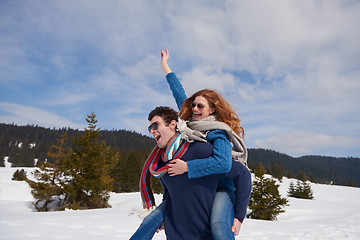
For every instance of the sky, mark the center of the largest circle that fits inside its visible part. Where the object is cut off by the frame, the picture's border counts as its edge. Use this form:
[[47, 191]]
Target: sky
[[290, 69]]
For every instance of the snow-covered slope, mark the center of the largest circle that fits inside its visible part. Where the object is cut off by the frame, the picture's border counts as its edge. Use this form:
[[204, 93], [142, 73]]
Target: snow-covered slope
[[334, 214]]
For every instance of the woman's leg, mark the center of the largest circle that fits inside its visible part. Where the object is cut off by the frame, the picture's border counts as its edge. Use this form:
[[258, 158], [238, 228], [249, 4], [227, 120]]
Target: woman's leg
[[150, 224], [222, 215]]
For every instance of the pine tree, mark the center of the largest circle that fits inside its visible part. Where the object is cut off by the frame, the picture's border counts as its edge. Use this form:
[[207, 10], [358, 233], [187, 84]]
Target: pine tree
[[115, 173], [307, 191], [265, 200], [292, 189], [301, 190], [130, 170], [301, 175], [156, 185], [277, 171], [90, 165], [290, 174], [52, 179], [126, 173], [2, 161], [79, 177], [23, 154]]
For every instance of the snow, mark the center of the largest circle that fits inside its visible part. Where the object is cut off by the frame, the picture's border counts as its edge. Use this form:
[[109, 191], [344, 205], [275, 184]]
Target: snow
[[334, 214]]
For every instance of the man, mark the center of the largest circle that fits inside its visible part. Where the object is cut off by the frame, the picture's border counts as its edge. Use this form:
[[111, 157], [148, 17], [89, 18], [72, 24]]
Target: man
[[188, 201]]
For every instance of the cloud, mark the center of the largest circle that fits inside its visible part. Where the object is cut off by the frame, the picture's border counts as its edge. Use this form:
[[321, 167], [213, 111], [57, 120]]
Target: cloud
[[200, 78], [303, 142], [24, 115]]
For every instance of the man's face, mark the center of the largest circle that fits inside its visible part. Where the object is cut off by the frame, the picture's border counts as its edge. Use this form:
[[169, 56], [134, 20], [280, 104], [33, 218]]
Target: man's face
[[163, 133]]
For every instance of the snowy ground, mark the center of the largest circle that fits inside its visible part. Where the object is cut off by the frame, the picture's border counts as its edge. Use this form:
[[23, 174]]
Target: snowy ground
[[334, 214]]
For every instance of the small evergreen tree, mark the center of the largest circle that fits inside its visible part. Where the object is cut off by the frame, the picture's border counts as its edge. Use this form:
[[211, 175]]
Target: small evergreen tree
[[22, 155], [19, 175], [350, 183], [301, 176], [301, 190], [277, 171], [2, 161], [116, 172], [52, 179], [290, 174], [126, 173], [156, 185], [129, 171], [265, 200], [292, 189]]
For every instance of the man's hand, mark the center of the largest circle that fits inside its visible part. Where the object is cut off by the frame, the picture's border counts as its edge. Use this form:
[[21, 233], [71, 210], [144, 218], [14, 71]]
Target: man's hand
[[236, 227], [177, 167], [160, 229]]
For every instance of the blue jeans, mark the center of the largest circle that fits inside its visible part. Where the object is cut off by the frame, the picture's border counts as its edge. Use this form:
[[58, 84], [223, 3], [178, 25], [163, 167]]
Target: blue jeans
[[222, 218], [150, 224], [222, 215]]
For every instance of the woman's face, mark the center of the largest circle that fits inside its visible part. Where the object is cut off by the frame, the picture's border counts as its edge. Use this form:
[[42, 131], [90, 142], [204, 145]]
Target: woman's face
[[200, 108]]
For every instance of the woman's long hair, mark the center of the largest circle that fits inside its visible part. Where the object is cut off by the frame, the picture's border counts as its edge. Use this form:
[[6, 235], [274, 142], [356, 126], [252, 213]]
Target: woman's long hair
[[223, 109]]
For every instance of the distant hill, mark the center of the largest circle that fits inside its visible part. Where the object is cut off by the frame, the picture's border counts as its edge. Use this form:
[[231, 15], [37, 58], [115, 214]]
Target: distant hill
[[321, 169], [23, 144]]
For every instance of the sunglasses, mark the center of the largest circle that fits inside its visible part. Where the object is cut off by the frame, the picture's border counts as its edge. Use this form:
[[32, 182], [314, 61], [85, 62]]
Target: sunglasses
[[199, 105], [153, 126]]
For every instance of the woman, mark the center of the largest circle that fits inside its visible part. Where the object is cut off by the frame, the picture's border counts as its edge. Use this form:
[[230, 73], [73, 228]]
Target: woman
[[207, 111], [199, 106]]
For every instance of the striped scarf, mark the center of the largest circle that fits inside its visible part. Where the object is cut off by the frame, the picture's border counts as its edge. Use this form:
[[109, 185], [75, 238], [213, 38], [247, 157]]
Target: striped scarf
[[198, 130], [175, 149]]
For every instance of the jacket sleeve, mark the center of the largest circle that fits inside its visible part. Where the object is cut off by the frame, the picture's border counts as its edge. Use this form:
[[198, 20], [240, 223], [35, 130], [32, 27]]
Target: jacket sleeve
[[219, 162], [176, 89], [242, 181]]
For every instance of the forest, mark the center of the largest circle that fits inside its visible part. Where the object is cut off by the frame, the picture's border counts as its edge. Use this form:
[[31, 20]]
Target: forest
[[317, 169], [28, 146]]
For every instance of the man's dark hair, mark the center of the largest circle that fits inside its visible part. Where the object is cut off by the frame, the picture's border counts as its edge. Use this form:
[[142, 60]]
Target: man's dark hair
[[167, 113]]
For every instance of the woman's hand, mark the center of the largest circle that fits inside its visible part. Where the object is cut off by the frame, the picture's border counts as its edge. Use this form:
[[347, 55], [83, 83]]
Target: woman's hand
[[164, 60], [236, 226], [164, 56], [177, 167]]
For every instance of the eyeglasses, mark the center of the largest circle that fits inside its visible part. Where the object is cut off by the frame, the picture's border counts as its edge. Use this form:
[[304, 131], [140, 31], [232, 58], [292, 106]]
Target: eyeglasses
[[199, 105], [153, 126]]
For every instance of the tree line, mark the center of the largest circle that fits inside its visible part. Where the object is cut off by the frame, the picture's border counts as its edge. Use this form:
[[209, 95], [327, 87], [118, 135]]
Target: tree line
[[317, 169], [28, 146]]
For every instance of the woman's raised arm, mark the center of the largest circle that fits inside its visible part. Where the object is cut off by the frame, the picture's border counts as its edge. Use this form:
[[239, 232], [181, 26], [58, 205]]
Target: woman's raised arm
[[174, 83]]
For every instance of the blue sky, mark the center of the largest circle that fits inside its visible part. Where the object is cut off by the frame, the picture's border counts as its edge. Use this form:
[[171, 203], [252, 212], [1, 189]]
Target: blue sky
[[291, 69]]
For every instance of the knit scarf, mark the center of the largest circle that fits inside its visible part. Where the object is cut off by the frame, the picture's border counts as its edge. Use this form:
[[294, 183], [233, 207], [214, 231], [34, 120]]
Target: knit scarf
[[198, 130], [174, 149]]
